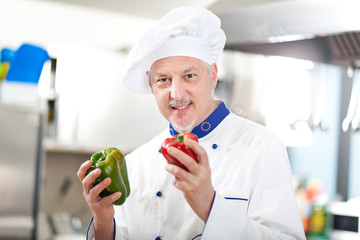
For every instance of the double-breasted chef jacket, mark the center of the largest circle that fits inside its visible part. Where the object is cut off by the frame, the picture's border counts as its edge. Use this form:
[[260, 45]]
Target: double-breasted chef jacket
[[251, 175]]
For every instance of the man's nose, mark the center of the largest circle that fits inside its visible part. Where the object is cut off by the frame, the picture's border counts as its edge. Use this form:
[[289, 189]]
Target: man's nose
[[177, 89]]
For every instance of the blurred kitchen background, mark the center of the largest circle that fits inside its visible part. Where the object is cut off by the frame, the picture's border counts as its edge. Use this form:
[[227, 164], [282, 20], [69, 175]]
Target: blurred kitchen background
[[291, 65]]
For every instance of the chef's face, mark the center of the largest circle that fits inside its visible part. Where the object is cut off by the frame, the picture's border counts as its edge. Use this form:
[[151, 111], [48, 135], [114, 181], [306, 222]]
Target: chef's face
[[183, 89]]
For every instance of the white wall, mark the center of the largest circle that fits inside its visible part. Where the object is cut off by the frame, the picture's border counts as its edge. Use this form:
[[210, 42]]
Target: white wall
[[319, 160], [95, 110], [45, 22], [354, 168]]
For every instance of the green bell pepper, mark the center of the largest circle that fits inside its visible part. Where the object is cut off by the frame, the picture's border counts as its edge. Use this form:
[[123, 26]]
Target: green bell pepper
[[112, 164]]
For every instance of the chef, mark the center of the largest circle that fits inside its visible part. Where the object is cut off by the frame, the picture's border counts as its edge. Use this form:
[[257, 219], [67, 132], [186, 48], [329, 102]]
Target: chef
[[241, 186]]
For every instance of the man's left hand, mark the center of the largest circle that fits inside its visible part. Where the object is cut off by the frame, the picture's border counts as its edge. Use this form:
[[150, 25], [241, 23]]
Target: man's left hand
[[196, 184]]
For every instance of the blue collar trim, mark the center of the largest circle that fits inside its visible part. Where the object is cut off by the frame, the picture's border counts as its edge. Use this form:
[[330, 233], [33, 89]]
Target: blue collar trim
[[208, 124]]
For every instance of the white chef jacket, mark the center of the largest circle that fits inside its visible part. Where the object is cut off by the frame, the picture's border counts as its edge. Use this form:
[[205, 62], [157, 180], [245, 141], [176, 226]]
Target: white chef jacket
[[254, 195]]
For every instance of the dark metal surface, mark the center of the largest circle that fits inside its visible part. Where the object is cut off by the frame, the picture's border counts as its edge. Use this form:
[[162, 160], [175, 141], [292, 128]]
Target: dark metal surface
[[339, 49]]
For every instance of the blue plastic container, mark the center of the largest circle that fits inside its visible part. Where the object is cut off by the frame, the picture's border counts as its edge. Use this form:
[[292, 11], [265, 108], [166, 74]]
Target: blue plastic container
[[27, 64]]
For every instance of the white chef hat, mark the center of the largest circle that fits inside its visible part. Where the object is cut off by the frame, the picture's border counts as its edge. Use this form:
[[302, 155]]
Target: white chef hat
[[186, 31]]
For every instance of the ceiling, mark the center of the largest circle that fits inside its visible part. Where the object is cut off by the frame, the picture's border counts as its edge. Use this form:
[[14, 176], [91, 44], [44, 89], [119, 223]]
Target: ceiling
[[116, 24], [105, 24], [156, 8], [144, 8]]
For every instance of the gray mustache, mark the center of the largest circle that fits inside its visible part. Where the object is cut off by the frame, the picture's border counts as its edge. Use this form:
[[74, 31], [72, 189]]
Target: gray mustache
[[181, 101]]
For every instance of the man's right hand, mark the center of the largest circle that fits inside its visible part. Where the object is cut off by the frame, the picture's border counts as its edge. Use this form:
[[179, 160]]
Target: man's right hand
[[101, 208]]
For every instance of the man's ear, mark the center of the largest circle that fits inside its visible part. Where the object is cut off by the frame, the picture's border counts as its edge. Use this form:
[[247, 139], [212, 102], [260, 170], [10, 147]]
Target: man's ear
[[214, 73], [149, 79]]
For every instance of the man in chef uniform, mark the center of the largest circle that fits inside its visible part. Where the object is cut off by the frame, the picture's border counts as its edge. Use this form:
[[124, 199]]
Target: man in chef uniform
[[240, 189]]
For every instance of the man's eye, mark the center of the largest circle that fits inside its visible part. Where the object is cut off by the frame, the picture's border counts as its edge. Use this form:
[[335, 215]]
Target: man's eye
[[191, 75], [161, 81]]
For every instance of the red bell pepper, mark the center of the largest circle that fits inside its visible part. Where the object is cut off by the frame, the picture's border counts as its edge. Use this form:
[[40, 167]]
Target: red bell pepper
[[177, 141]]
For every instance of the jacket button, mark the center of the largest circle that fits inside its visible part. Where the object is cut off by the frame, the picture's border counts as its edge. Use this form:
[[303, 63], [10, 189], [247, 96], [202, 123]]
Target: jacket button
[[158, 238], [214, 146], [158, 194]]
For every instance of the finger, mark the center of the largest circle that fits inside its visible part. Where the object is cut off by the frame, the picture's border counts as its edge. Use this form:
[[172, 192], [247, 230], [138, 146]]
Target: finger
[[188, 185], [197, 148], [185, 159], [81, 173], [176, 172], [106, 201], [178, 184], [89, 180], [179, 173], [98, 188]]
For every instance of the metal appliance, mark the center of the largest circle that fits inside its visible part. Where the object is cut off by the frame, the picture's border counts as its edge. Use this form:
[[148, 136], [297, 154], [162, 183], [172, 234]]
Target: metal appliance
[[344, 221], [321, 31], [21, 160]]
